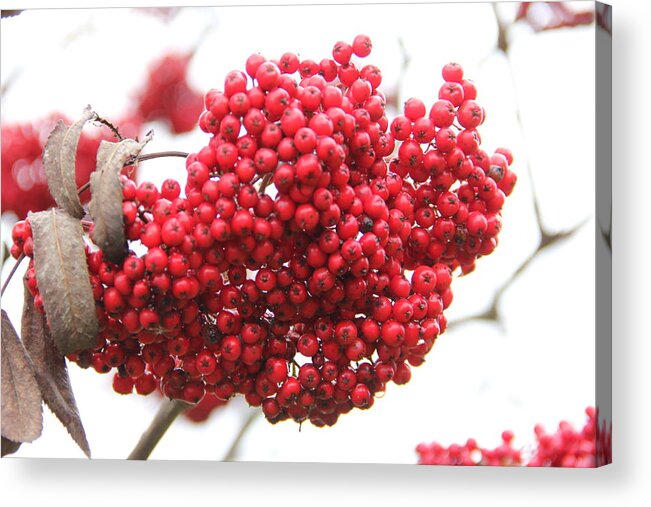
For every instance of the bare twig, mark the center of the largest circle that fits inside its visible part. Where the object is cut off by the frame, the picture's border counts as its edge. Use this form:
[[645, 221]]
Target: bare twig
[[547, 238], [111, 127], [143, 217], [492, 313], [83, 188], [502, 32], [394, 95], [10, 81], [140, 158], [167, 413], [161, 154], [8, 13], [11, 274], [233, 451]]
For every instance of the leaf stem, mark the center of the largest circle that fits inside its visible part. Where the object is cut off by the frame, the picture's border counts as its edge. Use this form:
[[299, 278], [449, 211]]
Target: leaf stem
[[11, 274], [167, 413]]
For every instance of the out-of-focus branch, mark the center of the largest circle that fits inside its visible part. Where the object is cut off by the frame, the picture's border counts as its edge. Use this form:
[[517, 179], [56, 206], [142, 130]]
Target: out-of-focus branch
[[8, 13], [502, 31], [4, 88], [392, 95], [11, 274], [234, 449], [167, 413], [547, 238]]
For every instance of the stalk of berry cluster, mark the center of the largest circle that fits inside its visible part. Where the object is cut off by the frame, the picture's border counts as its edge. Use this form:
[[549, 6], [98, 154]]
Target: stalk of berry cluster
[[167, 413]]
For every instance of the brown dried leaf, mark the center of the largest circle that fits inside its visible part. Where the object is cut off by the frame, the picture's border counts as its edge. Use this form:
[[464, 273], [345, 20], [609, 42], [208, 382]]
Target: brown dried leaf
[[59, 161], [22, 415], [105, 205], [63, 280], [51, 372], [9, 447]]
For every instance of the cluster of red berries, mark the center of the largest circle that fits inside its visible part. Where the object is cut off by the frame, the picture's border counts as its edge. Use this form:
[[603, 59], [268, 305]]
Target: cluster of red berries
[[310, 261], [470, 454], [567, 447], [589, 447], [166, 96]]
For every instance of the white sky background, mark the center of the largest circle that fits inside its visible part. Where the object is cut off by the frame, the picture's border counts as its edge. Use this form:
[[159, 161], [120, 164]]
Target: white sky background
[[479, 379]]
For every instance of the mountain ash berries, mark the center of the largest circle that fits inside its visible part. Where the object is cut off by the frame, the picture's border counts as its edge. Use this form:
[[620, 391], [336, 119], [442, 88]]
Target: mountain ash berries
[[306, 259]]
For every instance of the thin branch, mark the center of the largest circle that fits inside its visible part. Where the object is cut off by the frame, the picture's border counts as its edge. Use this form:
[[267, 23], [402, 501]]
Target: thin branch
[[143, 217], [161, 154], [8, 13], [233, 451], [264, 183], [547, 238], [111, 127], [492, 313], [83, 188], [11, 274], [10, 81], [502, 33], [140, 158], [167, 413], [405, 60]]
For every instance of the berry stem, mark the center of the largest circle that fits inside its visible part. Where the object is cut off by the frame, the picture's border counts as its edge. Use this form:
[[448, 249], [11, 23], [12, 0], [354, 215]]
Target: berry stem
[[167, 413], [141, 214], [11, 274], [235, 446], [83, 188], [265, 182]]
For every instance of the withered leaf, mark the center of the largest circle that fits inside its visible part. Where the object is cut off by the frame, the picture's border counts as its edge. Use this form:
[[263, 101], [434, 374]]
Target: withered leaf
[[105, 205], [59, 160], [9, 446], [51, 372], [63, 280], [22, 414]]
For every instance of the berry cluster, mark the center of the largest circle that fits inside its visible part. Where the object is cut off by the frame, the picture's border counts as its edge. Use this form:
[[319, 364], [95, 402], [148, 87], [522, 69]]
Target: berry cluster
[[167, 96], [310, 260], [470, 454], [567, 447]]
